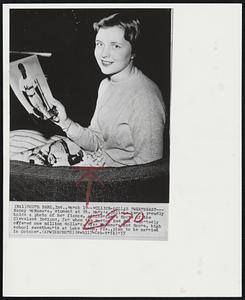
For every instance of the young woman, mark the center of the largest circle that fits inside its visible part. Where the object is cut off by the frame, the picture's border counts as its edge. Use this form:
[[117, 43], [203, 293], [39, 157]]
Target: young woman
[[128, 122]]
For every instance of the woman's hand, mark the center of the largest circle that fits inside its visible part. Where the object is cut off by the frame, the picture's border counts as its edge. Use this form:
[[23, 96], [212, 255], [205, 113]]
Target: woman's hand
[[61, 116], [61, 119]]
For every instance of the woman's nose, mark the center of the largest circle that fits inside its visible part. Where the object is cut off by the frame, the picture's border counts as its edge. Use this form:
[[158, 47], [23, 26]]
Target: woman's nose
[[105, 52]]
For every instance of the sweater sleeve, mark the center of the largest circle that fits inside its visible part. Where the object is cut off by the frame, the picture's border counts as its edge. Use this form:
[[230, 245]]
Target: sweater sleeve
[[147, 125], [87, 138], [91, 138]]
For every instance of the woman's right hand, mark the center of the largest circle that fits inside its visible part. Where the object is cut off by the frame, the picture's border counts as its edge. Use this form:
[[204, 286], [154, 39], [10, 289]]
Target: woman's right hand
[[61, 118]]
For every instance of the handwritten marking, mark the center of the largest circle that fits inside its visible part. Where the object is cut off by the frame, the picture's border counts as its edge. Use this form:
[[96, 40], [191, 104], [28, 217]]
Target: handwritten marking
[[90, 174], [139, 217], [96, 220], [127, 220], [92, 222], [89, 223]]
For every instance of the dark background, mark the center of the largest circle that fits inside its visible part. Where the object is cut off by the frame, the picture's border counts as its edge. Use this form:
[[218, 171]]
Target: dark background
[[72, 71]]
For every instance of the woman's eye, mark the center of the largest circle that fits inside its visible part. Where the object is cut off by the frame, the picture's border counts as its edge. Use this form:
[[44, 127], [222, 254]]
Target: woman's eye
[[98, 44], [116, 46]]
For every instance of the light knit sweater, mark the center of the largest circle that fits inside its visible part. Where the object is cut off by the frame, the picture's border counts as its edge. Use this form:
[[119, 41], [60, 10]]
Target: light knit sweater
[[127, 124]]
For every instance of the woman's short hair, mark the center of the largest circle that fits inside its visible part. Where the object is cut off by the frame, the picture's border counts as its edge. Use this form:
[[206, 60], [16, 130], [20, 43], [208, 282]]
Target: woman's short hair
[[130, 25]]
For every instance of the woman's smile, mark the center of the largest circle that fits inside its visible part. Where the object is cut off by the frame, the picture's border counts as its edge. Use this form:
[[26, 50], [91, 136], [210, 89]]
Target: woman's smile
[[106, 63]]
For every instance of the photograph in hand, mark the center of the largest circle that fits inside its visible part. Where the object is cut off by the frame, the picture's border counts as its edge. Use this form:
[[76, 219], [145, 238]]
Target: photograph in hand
[[31, 88]]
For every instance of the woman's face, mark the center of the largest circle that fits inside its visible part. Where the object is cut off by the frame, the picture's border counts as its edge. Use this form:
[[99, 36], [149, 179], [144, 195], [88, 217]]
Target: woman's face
[[112, 52]]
